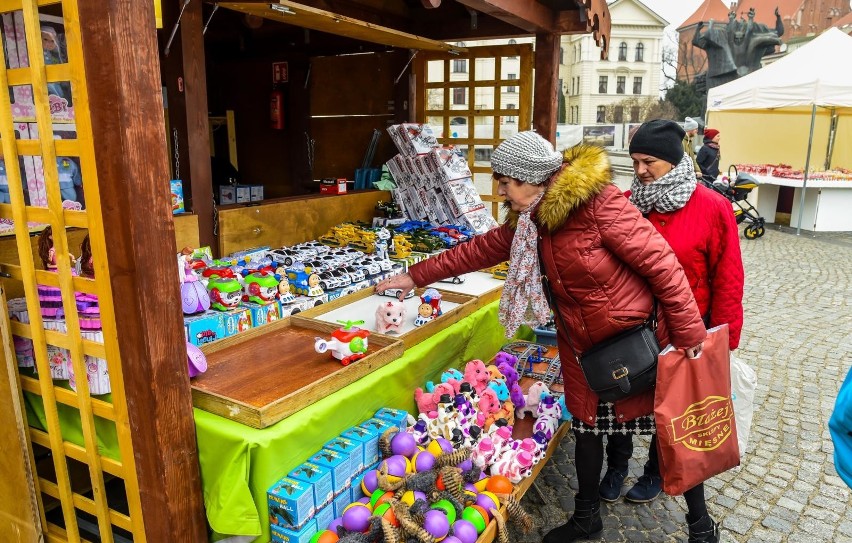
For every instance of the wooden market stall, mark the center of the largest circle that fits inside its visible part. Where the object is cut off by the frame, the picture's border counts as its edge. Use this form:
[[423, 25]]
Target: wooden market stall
[[127, 466]]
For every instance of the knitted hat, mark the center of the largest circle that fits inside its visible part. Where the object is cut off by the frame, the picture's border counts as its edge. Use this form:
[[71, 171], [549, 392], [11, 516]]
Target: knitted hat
[[526, 156], [690, 124], [659, 138], [710, 133]]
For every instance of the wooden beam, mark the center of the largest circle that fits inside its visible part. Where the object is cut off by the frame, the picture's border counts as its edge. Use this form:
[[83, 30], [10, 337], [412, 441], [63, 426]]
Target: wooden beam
[[531, 16], [546, 85], [123, 80]]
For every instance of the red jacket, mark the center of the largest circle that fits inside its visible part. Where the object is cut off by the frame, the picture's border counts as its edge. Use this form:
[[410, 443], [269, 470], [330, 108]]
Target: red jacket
[[705, 238], [604, 262]]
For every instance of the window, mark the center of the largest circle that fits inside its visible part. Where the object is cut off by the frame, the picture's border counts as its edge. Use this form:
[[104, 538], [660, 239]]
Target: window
[[620, 83], [601, 114], [455, 121], [561, 55], [578, 84], [622, 51], [618, 114], [513, 42], [481, 154], [637, 85], [459, 66], [603, 82], [511, 118], [459, 97], [640, 52], [512, 88], [634, 114]]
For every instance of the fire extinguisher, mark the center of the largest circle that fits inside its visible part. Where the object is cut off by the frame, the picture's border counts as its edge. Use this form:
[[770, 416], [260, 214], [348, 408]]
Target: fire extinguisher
[[276, 109]]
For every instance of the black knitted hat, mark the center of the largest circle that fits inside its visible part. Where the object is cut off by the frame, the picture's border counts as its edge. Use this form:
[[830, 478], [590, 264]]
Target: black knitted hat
[[659, 138]]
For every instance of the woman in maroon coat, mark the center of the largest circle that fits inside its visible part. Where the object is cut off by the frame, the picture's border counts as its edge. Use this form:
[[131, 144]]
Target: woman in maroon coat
[[605, 264]]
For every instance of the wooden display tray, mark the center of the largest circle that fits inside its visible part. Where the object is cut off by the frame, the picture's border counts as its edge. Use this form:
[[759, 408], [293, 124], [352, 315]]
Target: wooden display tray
[[261, 376], [466, 306], [478, 284]]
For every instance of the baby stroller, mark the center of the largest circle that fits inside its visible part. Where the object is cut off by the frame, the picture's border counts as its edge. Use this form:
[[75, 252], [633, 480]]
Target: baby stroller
[[736, 187]]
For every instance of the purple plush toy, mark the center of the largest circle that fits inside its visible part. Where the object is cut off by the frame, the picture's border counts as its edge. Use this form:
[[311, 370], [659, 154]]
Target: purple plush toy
[[506, 364]]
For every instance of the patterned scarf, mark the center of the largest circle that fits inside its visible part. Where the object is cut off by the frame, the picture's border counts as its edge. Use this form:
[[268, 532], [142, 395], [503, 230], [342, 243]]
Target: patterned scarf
[[668, 193], [523, 300]]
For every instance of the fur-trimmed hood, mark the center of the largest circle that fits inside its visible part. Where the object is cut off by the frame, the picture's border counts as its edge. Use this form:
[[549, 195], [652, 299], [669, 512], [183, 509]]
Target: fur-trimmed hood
[[585, 172]]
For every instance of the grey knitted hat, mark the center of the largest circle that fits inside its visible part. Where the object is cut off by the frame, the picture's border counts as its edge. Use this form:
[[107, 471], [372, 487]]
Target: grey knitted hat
[[526, 156], [690, 124]]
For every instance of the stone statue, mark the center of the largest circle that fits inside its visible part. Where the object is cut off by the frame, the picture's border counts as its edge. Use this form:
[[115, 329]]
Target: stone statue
[[737, 48]]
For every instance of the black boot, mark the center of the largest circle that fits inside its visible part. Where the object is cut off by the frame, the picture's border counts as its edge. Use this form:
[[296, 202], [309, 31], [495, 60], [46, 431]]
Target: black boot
[[703, 530], [583, 525]]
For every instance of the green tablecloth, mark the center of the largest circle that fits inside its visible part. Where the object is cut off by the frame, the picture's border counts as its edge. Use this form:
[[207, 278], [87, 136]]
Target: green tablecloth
[[239, 463]]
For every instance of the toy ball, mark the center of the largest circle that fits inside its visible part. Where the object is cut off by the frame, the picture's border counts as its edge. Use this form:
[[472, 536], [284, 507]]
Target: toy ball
[[379, 497], [325, 536], [398, 465], [499, 484], [420, 496], [435, 448], [446, 445], [474, 515], [451, 539], [487, 501], [332, 526], [447, 507], [369, 483], [423, 461], [359, 503], [356, 517], [466, 465], [385, 511], [365, 500], [465, 531], [436, 524], [411, 496], [404, 443]]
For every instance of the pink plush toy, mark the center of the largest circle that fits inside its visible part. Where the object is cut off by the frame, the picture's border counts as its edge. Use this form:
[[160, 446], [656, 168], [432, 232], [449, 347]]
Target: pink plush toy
[[428, 401], [389, 316], [532, 400], [477, 375], [489, 404]]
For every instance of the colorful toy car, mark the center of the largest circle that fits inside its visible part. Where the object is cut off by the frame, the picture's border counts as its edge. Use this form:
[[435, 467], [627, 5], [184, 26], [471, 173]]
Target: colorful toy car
[[304, 283], [260, 287], [225, 293], [347, 344]]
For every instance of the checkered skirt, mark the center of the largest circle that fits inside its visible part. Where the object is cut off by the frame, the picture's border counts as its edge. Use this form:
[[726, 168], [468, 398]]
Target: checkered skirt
[[606, 423]]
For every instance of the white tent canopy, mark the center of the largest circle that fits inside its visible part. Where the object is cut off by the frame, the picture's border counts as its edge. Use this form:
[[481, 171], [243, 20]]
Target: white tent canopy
[[810, 75]]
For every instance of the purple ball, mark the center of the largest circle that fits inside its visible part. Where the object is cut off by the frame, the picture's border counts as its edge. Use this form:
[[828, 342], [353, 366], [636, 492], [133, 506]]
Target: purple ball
[[485, 502], [436, 523], [446, 446], [420, 496], [334, 524], [365, 500], [470, 488], [451, 539], [466, 465], [465, 531], [357, 519], [397, 465], [424, 461], [404, 443], [370, 482]]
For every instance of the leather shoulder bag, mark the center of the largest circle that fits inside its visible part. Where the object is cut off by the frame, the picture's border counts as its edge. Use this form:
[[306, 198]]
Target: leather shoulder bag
[[621, 366]]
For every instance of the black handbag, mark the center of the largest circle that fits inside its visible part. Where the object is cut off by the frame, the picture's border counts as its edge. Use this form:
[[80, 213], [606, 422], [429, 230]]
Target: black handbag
[[621, 366]]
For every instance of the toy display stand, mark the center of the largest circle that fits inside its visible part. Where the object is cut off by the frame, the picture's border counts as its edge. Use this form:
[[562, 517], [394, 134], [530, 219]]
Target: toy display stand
[[480, 284], [362, 305], [261, 376]]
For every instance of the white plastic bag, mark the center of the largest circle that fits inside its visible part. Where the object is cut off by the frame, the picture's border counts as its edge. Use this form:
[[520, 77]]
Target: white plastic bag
[[743, 383]]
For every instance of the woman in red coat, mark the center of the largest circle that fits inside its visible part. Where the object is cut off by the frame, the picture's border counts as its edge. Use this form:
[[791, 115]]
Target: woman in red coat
[[605, 264], [700, 227]]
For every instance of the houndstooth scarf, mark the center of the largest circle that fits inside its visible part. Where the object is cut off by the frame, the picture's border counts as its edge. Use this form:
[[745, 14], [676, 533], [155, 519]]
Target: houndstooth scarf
[[523, 300], [668, 193]]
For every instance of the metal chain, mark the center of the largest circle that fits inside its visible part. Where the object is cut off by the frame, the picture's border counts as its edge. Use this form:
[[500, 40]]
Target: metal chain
[[215, 218], [177, 153]]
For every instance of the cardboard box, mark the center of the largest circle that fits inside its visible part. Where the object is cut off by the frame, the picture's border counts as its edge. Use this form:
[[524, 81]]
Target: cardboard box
[[369, 443], [59, 358], [291, 503], [23, 346], [341, 471], [397, 417], [236, 320], [256, 193], [480, 220], [227, 194], [333, 186], [450, 164], [341, 500], [286, 535], [243, 194], [412, 138], [97, 374], [263, 313], [464, 194], [177, 196], [354, 449], [324, 517], [318, 478], [376, 427], [205, 327]]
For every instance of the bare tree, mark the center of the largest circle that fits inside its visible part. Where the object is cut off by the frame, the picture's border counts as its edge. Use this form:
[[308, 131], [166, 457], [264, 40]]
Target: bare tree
[[639, 109]]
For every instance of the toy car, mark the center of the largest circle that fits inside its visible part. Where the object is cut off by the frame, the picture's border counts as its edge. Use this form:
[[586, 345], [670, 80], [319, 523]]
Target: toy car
[[342, 277], [426, 244], [315, 246], [328, 281], [456, 280], [394, 293], [355, 274], [367, 266], [347, 344], [317, 266], [288, 256], [384, 264]]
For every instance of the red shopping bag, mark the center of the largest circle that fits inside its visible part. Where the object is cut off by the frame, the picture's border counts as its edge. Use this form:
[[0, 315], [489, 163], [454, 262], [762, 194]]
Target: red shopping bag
[[694, 414]]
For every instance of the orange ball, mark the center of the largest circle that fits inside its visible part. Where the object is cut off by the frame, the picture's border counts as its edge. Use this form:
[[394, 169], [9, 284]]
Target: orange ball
[[485, 514], [499, 484], [326, 536]]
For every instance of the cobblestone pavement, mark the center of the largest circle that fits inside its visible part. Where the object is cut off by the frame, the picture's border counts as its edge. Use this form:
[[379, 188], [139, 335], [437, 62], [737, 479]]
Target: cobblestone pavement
[[798, 337]]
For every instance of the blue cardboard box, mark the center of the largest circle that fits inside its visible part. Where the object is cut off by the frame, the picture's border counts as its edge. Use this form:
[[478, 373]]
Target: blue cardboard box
[[291, 503], [263, 314], [398, 417], [355, 450], [319, 478], [341, 501], [204, 328], [376, 427], [288, 535], [357, 491], [236, 320], [324, 517], [341, 472], [365, 437], [177, 196]]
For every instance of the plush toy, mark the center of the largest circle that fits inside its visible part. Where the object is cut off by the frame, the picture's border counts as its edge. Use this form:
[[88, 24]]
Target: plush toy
[[506, 412], [499, 386], [389, 316], [495, 372], [566, 415], [549, 413], [450, 374], [428, 401], [532, 400], [488, 405], [477, 375]]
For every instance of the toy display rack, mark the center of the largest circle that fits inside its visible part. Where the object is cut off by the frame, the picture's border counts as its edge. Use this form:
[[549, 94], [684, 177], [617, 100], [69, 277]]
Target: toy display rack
[[365, 301], [252, 380], [482, 285]]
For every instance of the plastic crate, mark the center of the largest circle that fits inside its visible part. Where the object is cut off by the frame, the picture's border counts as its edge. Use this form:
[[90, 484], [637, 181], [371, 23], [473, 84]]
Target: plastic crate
[[545, 336]]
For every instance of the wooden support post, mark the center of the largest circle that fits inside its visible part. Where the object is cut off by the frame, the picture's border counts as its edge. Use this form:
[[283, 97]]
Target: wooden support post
[[545, 102], [123, 79], [184, 75]]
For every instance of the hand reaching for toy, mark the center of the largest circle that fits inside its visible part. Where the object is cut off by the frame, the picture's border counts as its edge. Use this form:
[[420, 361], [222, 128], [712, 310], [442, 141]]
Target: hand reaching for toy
[[403, 281]]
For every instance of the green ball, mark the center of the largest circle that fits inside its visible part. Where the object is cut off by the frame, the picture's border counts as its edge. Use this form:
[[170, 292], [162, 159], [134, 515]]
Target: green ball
[[316, 537], [381, 509], [374, 497], [447, 507], [474, 517]]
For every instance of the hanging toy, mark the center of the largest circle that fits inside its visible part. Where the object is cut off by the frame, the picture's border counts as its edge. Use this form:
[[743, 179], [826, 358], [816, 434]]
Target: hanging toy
[[347, 344]]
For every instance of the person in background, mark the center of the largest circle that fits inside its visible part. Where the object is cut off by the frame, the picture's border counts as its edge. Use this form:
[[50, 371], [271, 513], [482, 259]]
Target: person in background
[[708, 156], [605, 263], [690, 125], [700, 227]]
